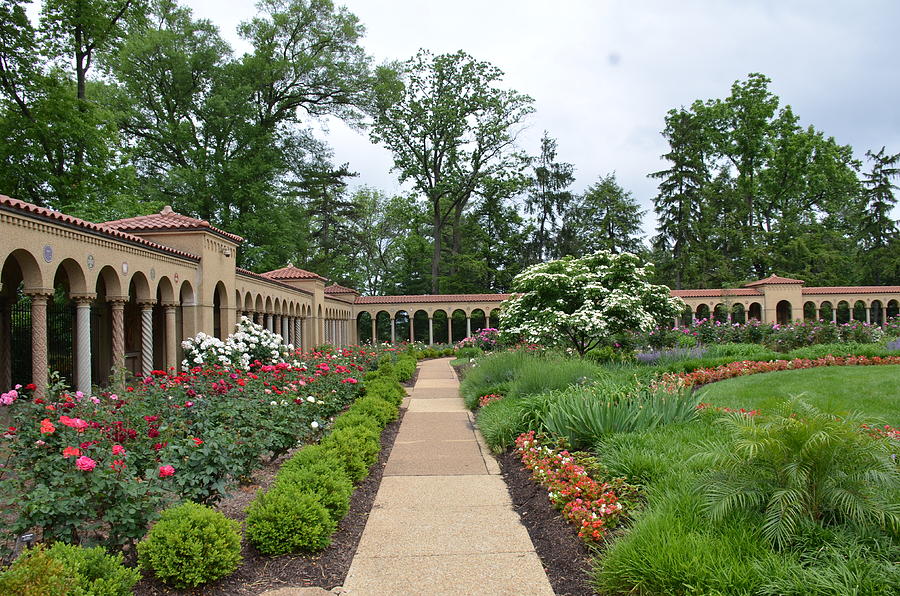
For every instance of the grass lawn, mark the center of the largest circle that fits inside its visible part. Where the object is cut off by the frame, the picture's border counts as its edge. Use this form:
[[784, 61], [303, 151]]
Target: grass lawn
[[871, 390]]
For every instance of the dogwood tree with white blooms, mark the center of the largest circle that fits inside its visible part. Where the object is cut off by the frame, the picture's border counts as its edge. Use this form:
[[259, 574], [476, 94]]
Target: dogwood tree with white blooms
[[584, 302]]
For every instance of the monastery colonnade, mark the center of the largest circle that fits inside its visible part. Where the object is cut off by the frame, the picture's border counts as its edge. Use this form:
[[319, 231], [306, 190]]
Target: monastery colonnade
[[86, 298]]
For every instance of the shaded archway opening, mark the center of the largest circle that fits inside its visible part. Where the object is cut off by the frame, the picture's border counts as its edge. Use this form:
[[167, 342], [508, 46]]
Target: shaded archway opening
[[441, 331], [809, 311], [755, 311], [101, 334], [420, 326], [701, 313], [738, 314], [783, 312], [401, 325], [219, 304], [876, 313], [383, 327], [859, 311], [364, 328], [843, 312], [720, 313], [826, 311], [61, 328], [458, 326], [494, 323], [479, 320], [15, 326], [893, 309]]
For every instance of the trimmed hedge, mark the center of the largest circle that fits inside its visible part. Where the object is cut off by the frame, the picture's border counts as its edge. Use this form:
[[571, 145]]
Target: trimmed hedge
[[312, 490]]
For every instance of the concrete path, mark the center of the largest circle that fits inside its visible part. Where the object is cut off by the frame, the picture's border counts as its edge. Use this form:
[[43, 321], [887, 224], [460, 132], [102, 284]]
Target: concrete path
[[442, 522]]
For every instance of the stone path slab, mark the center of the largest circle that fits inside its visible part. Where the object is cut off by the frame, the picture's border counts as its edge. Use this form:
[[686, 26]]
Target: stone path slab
[[442, 522]]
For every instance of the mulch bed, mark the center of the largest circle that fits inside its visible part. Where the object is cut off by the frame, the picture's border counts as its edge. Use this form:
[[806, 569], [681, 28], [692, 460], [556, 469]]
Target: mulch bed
[[565, 557], [326, 569]]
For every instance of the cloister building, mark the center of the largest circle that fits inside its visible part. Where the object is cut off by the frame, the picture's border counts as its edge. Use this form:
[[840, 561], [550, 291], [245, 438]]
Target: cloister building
[[85, 298]]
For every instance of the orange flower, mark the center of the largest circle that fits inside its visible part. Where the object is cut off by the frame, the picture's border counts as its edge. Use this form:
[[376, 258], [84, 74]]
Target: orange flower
[[47, 427]]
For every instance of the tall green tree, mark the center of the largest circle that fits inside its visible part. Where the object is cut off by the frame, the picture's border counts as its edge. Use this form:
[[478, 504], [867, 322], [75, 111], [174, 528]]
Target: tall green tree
[[548, 196], [451, 128], [606, 217], [879, 236]]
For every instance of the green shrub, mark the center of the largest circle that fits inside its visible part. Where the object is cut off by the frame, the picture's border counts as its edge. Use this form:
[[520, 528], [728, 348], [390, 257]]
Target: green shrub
[[287, 520], [446, 352], [36, 573], [606, 354], [741, 351], [95, 571], [405, 368], [356, 447], [386, 388], [847, 349], [330, 484], [801, 466], [351, 419], [471, 352], [686, 366], [191, 545], [583, 415], [380, 409]]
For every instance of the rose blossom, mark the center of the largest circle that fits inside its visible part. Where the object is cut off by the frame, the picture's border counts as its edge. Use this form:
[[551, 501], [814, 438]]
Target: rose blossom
[[166, 471], [70, 451], [85, 463], [118, 450]]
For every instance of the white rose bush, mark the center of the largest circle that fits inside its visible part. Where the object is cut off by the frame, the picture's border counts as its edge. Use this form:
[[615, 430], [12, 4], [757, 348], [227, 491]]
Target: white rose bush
[[248, 344], [583, 303]]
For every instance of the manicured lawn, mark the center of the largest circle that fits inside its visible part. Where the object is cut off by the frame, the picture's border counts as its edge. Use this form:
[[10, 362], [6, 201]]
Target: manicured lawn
[[871, 390]]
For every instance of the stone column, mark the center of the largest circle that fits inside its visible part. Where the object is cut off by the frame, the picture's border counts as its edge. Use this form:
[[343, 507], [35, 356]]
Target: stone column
[[83, 343], [430, 331], [5, 344], [374, 332], [269, 321], [117, 306], [450, 328], [284, 329], [487, 321], [298, 333], [412, 330], [39, 369], [393, 331], [146, 337], [171, 338], [869, 314], [468, 326]]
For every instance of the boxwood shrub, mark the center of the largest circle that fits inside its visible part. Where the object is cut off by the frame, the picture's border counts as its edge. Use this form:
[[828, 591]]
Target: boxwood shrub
[[286, 520]]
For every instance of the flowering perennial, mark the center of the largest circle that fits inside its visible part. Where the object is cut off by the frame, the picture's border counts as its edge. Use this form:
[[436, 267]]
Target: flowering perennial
[[593, 507], [703, 376], [250, 343]]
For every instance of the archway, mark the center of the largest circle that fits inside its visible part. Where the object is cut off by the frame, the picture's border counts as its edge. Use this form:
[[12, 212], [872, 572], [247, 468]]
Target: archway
[[783, 312], [720, 313], [755, 311], [843, 312], [61, 328], [383, 326], [458, 326], [876, 313], [402, 326], [701, 313], [826, 311], [364, 328], [893, 309], [19, 273], [441, 327], [478, 319], [809, 311], [859, 311], [738, 314], [494, 323], [420, 326]]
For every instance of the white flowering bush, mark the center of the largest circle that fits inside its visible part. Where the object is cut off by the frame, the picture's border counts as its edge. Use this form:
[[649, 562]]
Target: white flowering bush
[[582, 303], [249, 343]]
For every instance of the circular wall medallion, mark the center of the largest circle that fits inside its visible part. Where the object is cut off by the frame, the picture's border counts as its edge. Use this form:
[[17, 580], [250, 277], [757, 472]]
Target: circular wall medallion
[[48, 253], [90, 261], [176, 278]]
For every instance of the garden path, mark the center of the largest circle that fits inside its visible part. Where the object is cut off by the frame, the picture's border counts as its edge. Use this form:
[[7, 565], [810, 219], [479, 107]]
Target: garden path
[[442, 522]]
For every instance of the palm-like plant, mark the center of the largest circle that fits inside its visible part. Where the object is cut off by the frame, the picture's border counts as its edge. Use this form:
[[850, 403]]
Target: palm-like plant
[[801, 465]]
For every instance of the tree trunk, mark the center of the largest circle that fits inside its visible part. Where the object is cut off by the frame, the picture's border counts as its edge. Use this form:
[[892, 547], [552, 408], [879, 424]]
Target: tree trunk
[[436, 255]]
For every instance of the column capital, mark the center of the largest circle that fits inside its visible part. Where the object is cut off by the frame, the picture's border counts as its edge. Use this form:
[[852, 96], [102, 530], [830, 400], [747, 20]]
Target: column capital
[[82, 299], [117, 299], [146, 304], [39, 294], [170, 305]]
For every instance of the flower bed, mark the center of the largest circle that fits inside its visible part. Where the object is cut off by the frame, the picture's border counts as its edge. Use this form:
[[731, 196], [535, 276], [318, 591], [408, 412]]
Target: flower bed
[[98, 468], [747, 367], [594, 507]]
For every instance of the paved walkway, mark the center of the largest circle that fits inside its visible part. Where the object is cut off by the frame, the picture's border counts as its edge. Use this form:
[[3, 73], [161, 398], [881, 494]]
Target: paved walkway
[[442, 522]]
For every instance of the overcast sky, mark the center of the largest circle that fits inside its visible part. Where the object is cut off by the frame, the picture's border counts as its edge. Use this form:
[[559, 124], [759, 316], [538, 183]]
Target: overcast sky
[[603, 74]]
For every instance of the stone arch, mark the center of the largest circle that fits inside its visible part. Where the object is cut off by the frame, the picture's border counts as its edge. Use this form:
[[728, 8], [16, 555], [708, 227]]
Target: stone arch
[[892, 309], [826, 311], [402, 325], [783, 312], [220, 306], [457, 324], [844, 313], [876, 312], [77, 284], [754, 311], [478, 319], [810, 311], [248, 304], [859, 310], [441, 322], [165, 291], [364, 327], [494, 318], [702, 312], [420, 325], [720, 312], [139, 287], [27, 268], [738, 313], [382, 325]]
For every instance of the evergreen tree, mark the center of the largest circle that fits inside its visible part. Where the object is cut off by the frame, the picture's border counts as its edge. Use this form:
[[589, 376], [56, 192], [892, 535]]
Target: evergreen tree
[[548, 197], [878, 231]]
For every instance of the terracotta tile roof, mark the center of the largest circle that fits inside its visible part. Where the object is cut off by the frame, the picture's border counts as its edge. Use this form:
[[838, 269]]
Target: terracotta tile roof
[[339, 289], [291, 272], [168, 220], [62, 218], [773, 279], [430, 298], [853, 290], [716, 293], [261, 277]]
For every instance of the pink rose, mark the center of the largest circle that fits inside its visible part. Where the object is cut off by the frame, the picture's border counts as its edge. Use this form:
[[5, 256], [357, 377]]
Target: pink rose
[[166, 471], [85, 463], [118, 450]]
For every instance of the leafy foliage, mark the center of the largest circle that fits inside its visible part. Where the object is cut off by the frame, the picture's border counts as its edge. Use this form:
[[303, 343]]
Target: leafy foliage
[[801, 466]]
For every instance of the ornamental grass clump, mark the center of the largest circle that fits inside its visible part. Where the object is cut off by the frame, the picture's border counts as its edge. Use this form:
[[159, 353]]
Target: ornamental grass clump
[[191, 545], [583, 415], [801, 466]]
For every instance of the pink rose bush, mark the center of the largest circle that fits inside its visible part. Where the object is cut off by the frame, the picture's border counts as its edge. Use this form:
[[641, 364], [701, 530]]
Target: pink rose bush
[[89, 468]]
